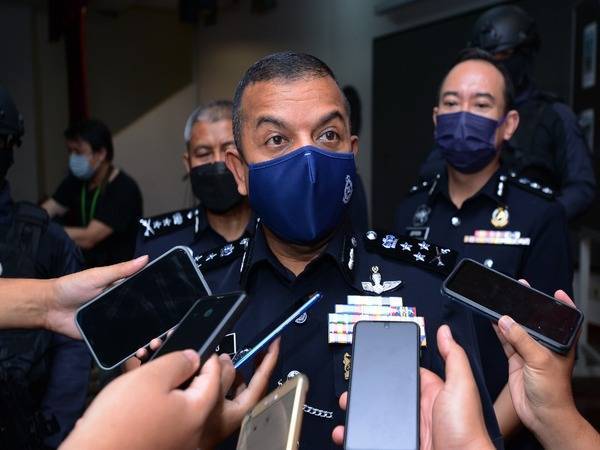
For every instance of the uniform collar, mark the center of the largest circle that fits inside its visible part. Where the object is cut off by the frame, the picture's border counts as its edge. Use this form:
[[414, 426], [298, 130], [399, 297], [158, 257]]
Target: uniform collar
[[494, 188], [341, 248], [6, 203]]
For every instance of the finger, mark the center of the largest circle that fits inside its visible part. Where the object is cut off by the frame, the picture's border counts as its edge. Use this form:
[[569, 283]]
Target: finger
[[344, 400], [203, 391], [103, 276], [564, 297], [155, 344], [337, 435], [509, 351], [228, 373], [457, 363], [173, 369], [525, 282], [522, 343]]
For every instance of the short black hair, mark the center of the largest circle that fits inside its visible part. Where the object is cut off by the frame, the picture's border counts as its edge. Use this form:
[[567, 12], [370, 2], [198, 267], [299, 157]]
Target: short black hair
[[477, 54], [211, 112], [94, 132], [287, 66]]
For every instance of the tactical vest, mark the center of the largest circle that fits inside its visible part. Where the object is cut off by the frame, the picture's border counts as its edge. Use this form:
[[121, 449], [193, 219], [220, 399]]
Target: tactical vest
[[531, 152], [24, 353]]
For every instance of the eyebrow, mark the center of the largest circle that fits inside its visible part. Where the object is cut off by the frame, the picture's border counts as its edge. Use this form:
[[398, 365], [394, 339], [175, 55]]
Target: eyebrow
[[270, 119], [329, 117], [477, 94]]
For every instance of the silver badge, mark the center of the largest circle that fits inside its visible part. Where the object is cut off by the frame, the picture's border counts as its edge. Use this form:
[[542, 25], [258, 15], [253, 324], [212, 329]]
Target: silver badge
[[389, 241], [371, 235], [177, 219], [419, 257], [148, 227], [301, 318], [406, 247], [227, 250], [376, 286], [351, 259], [421, 215]]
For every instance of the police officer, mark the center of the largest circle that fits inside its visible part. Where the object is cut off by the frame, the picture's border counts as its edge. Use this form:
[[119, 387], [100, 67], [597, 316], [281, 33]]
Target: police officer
[[548, 147], [482, 210], [43, 376], [296, 163], [223, 214]]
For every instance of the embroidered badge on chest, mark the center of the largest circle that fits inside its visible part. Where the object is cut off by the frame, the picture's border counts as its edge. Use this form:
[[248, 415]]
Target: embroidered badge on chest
[[500, 217]]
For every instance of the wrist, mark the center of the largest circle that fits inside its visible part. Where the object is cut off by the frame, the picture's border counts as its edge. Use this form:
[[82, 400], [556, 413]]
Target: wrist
[[558, 425], [49, 295]]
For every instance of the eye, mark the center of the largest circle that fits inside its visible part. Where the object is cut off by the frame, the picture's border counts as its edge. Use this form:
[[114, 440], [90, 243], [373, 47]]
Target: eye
[[483, 105], [450, 103], [275, 140], [329, 136]]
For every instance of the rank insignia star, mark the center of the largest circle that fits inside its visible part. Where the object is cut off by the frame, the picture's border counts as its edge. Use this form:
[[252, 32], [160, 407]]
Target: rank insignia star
[[423, 245], [406, 246], [419, 257]]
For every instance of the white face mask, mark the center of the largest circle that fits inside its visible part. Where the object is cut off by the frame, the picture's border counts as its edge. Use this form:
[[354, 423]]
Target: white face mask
[[80, 166]]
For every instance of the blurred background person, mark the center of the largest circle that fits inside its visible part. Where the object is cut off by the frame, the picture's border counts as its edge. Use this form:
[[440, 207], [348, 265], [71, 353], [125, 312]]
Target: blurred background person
[[98, 203]]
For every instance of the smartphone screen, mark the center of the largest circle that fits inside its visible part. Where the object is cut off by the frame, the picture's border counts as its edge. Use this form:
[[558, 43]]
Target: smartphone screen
[[270, 332], [497, 295], [127, 316], [205, 324], [274, 424], [383, 399]]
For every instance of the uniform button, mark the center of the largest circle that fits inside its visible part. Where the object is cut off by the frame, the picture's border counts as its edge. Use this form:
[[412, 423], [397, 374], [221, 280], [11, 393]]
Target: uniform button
[[455, 221], [488, 263]]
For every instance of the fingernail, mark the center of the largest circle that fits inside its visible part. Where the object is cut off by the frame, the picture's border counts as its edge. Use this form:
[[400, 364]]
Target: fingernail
[[505, 323], [191, 355], [139, 258]]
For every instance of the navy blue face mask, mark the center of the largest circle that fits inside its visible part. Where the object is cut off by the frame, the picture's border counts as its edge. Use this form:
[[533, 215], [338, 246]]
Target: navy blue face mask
[[466, 140], [302, 196]]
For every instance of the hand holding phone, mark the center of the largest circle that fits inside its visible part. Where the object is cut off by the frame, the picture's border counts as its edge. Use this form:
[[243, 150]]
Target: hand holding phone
[[493, 295]]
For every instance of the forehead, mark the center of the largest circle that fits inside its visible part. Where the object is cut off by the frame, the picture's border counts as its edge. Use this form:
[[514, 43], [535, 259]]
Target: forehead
[[297, 101], [474, 76], [208, 130]]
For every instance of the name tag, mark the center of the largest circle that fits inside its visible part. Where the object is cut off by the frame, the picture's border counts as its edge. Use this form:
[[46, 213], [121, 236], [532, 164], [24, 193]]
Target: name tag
[[420, 233]]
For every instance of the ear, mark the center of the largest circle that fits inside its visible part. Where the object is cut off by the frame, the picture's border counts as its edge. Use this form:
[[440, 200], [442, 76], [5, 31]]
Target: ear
[[434, 115], [354, 145], [186, 161], [100, 155], [238, 167], [511, 122]]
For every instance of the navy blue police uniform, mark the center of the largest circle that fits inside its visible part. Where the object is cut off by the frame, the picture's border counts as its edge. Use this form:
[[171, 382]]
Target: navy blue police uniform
[[408, 268], [188, 227], [512, 225], [47, 395], [548, 147]]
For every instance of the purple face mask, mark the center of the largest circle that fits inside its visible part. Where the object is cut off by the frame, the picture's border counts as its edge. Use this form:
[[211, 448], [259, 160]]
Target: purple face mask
[[466, 140]]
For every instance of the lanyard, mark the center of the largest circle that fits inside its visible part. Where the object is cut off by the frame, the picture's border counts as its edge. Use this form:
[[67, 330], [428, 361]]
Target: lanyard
[[85, 222]]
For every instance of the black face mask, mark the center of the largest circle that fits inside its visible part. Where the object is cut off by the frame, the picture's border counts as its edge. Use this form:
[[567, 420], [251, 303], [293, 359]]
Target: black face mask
[[6, 160], [214, 185]]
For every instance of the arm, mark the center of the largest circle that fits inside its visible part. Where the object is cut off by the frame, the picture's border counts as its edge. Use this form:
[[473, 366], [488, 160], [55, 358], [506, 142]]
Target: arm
[[51, 304], [53, 208], [508, 420], [578, 183], [88, 237], [540, 387]]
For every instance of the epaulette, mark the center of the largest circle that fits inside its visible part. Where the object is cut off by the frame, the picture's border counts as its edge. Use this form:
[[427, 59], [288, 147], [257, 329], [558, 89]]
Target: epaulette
[[222, 255], [531, 186], [155, 226], [424, 254], [423, 185]]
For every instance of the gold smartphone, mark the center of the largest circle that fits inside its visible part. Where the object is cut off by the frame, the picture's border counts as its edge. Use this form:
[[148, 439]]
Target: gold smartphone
[[276, 421]]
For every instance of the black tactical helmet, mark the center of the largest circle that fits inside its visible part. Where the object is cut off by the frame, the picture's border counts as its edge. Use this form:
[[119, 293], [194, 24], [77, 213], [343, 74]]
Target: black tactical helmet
[[11, 121], [504, 28]]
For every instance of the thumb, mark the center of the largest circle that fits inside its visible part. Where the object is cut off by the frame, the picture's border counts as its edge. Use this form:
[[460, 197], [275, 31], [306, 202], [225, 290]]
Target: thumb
[[516, 336], [104, 276], [457, 364], [172, 369]]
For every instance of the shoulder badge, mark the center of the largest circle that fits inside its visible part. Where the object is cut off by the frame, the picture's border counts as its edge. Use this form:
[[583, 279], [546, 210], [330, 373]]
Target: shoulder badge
[[420, 253], [162, 224], [222, 255], [531, 186]]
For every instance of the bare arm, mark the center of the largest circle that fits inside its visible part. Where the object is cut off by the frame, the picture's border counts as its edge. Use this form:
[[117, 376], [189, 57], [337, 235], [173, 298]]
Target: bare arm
[[508, 420], [88, 237], [53, 208]]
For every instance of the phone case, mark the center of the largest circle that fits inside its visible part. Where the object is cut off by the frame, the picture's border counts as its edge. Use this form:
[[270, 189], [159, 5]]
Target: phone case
[[189, 254], [494, 316]]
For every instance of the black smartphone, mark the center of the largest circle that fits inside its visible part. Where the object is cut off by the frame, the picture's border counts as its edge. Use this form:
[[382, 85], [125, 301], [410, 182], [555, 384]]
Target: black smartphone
[[269, 333], [205, 325], [383, 397], [146, 305], [493, 295]]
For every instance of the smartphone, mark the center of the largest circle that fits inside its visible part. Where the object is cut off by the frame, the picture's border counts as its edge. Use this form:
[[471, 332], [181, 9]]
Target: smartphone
[[268, 334], [493, 295], [205, 325], [383, 396], [276, 421], [128, 315]]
